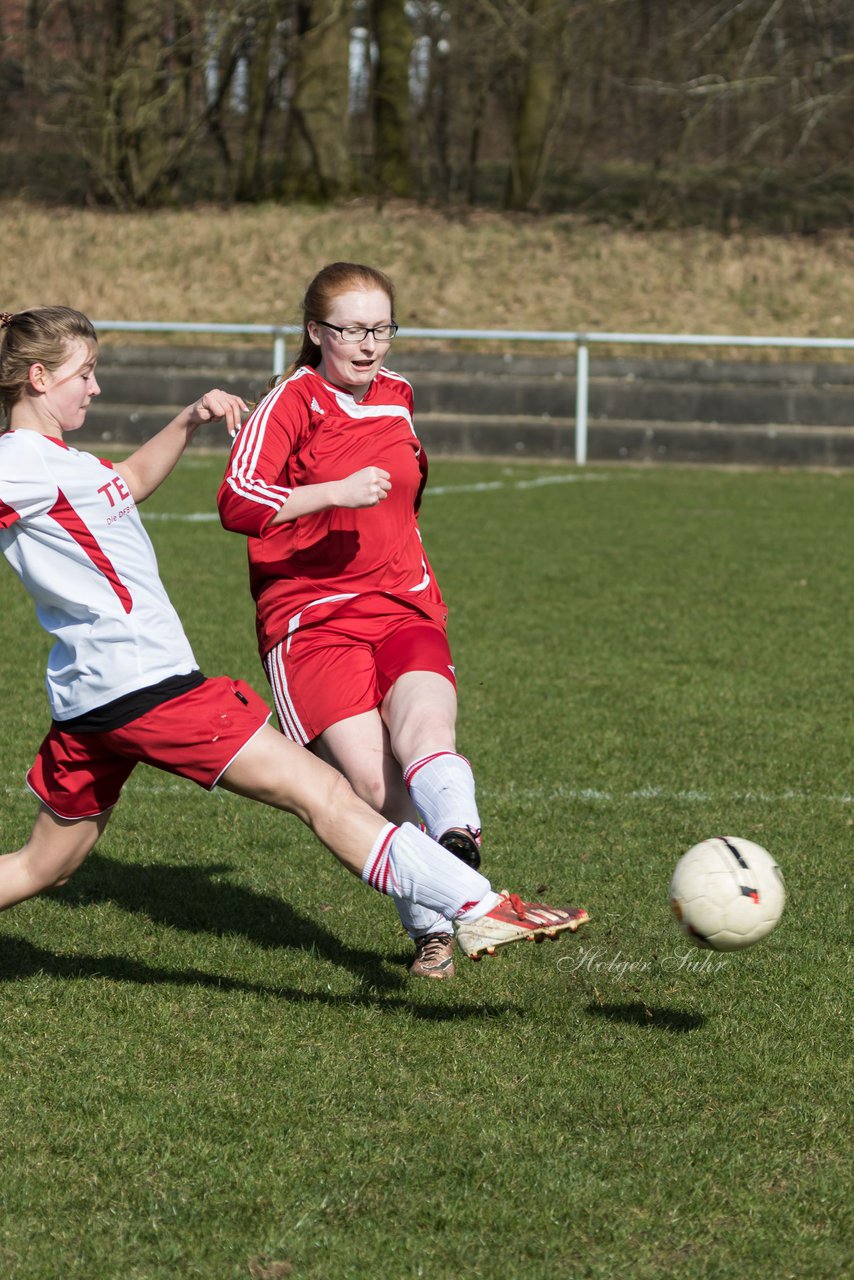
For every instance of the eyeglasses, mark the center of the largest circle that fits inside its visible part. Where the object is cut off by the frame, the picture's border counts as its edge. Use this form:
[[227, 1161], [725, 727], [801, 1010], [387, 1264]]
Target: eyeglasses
[[358, 332]]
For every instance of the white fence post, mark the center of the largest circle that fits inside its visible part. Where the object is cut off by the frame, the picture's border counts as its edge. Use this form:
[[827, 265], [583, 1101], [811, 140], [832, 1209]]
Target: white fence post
[[279, 354], [582, 365]]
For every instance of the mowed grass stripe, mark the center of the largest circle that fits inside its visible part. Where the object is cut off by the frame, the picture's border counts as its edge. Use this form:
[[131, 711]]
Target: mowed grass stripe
[[440, 491]]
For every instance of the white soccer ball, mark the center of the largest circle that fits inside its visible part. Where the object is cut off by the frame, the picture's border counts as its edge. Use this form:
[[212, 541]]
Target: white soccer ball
[[727, 893]]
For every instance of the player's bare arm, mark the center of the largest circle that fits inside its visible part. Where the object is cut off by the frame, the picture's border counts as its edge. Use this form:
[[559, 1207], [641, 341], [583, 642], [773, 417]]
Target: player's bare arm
[[363, 488], [149, 465]]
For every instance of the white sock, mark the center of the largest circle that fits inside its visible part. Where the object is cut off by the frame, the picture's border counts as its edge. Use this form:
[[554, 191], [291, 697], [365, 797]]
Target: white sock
[[419, 920], [406, 863], [442, 790]]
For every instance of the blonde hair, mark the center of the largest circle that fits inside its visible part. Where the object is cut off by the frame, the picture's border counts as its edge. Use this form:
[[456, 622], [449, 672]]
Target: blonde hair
[[39, 336], [330, 281]]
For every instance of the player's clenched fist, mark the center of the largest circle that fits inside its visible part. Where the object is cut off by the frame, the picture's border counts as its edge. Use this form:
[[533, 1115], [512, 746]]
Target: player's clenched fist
[[363, 488]]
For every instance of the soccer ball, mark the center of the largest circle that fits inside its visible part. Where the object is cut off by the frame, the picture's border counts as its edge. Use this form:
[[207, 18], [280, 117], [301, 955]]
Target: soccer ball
[[727, 893]]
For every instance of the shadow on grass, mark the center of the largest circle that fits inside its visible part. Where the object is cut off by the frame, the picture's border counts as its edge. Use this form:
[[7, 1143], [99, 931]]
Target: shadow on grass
[[639, 1014], [191, 899], [20, 960]]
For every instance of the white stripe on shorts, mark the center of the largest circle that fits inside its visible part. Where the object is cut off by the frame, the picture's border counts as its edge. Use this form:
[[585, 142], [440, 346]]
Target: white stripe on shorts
[[274, 665]]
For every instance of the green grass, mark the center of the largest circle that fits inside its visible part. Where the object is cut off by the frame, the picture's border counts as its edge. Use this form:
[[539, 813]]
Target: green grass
[[212, 1063]]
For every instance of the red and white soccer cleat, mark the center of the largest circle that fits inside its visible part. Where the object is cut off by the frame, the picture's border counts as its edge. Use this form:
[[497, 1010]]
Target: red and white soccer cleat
[[512, 920]]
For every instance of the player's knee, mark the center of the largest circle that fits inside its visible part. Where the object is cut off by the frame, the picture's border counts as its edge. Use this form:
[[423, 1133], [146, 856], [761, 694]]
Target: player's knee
[[38, 874], [426, 730], [371, 788], [330, 801], [55, 877]]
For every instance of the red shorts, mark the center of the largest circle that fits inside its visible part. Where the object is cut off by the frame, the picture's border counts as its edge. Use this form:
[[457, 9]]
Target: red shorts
[[346, 664], [196, 735]]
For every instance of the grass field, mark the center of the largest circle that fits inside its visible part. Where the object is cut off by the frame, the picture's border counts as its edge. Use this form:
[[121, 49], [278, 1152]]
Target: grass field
[[212, 1063]]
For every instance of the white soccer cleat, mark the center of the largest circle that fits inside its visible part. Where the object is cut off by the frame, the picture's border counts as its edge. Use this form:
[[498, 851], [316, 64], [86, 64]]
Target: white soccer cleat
[[513, 920]]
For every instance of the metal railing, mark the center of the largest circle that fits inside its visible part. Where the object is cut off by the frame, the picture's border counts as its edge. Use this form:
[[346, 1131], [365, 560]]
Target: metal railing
[[580, 339]]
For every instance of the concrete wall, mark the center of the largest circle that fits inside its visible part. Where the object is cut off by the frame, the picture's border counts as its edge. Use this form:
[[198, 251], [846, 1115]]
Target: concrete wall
[[738, 412]]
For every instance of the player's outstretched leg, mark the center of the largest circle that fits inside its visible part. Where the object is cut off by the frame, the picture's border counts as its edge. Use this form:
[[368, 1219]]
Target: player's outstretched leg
[[406, 862], [401, 862]]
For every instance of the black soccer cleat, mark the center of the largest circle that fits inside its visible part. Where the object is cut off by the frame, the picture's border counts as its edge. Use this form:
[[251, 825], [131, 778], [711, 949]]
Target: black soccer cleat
[[464, 844]]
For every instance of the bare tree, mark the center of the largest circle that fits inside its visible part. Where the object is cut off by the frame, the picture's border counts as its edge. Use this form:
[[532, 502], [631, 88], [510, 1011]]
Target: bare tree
[[393, 36], [115, 80], [529, 103], [538, 110], [258, 50], [316, 149]]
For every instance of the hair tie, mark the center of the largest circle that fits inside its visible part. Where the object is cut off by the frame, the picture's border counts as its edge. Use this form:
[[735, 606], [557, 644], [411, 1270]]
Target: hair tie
[[6, 319]]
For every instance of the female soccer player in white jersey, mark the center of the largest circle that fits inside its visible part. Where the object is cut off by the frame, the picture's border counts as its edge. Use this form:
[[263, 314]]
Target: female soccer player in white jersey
[[122, 681], [325, 479]]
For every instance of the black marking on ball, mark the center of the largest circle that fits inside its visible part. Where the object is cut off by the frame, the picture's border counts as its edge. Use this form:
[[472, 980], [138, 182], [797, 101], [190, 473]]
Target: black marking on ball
[[747, 892], [735, 853]]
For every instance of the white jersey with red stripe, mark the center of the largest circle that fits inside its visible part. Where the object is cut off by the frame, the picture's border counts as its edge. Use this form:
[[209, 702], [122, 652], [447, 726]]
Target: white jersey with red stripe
[[70, 529], [308, 431]]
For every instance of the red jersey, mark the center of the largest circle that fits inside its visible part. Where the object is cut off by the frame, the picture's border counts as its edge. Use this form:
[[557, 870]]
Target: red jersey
[[308, 431]]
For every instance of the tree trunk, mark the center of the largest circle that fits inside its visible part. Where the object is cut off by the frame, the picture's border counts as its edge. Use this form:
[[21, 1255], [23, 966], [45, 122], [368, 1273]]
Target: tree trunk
[[134, 139], [538, 106], [317, 162], [393, 36], [249, 184]]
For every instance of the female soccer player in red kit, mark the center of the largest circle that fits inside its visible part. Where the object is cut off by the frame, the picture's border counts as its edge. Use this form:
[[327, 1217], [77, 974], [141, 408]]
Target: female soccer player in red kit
[[325, 479], [122, 681]]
